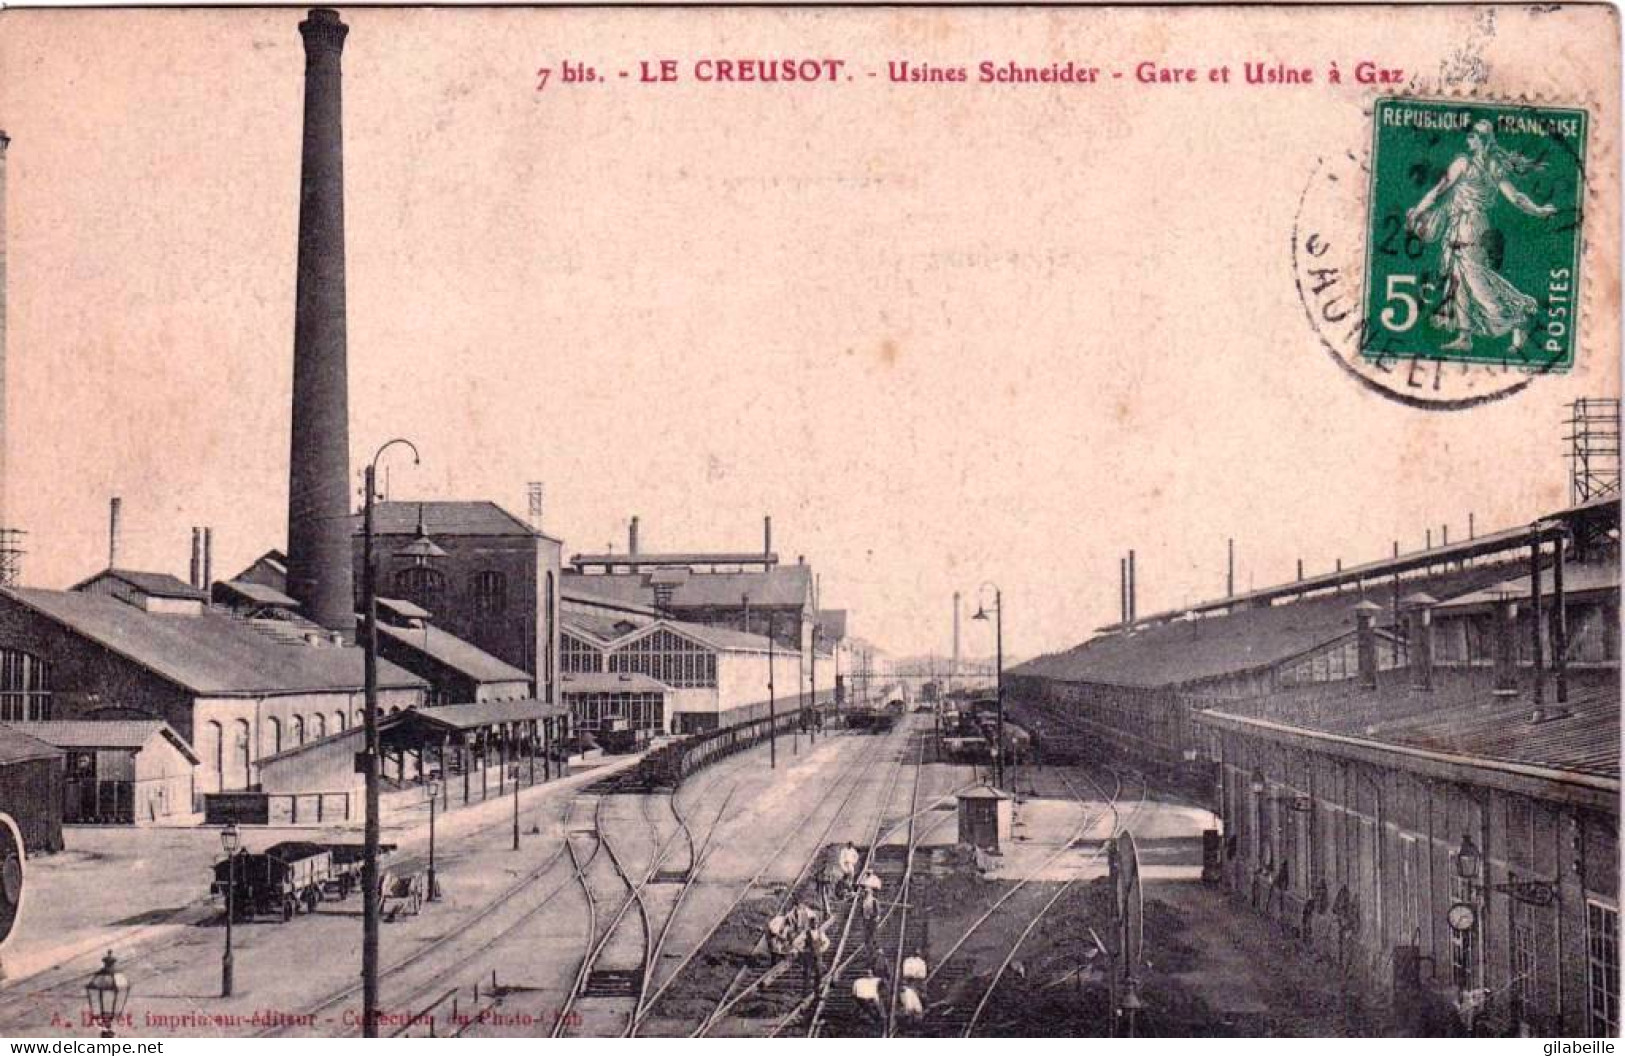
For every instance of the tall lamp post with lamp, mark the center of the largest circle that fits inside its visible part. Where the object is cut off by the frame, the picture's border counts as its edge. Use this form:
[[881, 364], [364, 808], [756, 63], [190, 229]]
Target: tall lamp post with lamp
[[230, 841], [433, 789], [369, 757], [998, 691], [107, 992]]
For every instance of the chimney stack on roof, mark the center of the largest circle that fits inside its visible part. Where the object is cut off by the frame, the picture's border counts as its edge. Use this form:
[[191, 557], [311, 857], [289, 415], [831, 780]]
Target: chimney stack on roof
[[1365, 622], [208, 559], [632, 537], [197, 558], [767, 535], [1420, 607], [319, 557]]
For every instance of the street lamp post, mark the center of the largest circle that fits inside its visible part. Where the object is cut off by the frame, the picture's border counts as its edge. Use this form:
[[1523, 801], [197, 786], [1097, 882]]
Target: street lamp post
[[513, 772], [370, 838], [772, 704], [998, 692], [107, 992], [434, 884], [230, 840]]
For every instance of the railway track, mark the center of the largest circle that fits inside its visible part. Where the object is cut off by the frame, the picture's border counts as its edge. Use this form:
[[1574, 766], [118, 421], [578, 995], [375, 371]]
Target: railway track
[[419, 979], [1120, 823], [747, 980]]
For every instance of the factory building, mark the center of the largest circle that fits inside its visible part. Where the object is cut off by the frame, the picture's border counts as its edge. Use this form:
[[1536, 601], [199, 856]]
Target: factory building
[[750, 592], [480, 573], [1447, 831], [31, 789], [1414, 762], [234, 689], [122, 771]]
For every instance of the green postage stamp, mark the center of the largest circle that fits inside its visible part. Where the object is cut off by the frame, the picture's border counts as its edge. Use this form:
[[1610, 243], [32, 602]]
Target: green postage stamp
[[1473, 234]]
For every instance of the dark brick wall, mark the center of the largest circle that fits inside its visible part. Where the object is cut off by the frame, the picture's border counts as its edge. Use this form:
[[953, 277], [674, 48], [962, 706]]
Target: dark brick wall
[[86, 678], [31, 792]]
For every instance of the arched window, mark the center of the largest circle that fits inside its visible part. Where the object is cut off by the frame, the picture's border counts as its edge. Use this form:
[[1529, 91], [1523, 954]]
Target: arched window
[[423, 586], [360, 716], [214, 753], [241, 746], [25, 687], [276, 736], [490, 590], [298, 729], [319, 727], [338, 722]]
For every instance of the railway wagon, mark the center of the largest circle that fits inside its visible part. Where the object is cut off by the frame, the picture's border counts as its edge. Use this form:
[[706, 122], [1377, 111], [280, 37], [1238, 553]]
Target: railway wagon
[[290, 877], [668, 765], [283, 879], [619, 737]]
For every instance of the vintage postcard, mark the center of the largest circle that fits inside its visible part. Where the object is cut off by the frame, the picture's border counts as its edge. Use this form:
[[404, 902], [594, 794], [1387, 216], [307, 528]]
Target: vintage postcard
[[507, 518]]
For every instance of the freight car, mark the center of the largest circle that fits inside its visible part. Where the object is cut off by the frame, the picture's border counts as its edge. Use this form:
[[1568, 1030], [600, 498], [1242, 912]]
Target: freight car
[[289, 877]]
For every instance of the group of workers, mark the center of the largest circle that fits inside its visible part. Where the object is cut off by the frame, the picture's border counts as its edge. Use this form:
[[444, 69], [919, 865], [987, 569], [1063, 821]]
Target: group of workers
[[802, 934]]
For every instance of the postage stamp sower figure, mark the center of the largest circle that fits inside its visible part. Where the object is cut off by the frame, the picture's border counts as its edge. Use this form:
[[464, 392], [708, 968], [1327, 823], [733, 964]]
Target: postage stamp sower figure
[[1473, 237]]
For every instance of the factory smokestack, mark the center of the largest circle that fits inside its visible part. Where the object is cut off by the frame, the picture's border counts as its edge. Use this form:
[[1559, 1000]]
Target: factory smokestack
[[208, 560], [197, 557], [114, 506], [5, 141], [319, 464], [632, 537], [767, 535]]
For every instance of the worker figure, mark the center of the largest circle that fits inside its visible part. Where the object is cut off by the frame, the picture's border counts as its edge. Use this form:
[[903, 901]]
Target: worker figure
[[870, 882], [847, 859], [778, 937], [909, 1006], [915, 970], [866, 995], [869, 913]]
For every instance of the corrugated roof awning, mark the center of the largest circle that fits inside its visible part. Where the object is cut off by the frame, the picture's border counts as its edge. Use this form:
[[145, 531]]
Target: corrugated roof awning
[[462, 717]]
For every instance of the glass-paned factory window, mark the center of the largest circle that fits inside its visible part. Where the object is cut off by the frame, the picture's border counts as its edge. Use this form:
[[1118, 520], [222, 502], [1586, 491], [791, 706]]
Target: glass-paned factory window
[[667, 657], [1602, 948], [320, 726], [424, 587], [490, 591], [276, 736], [25, 687], [1521, 933], [579, 657], [1410, 890]]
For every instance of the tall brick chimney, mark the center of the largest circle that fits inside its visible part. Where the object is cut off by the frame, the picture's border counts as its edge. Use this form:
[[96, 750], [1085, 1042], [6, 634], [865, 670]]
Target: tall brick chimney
[[632, 537], [319, 463]]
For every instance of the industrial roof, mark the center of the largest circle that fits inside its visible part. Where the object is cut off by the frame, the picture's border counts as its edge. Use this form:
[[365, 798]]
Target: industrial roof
[[403, 608], [611, 682], [258, 593], [210, 653], [600, 603], [1460, 716], [19, 747], [490, 713], [1577, 579], [608, 632], [832, 624], [1603, 510], [104, 733], [479, 517], [778, 587], [1185, 651], [448, 649], [601, 629], [679, 558], [155, 584]]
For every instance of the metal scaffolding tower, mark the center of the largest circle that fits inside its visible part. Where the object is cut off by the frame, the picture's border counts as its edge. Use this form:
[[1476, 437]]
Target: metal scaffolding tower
[[1593, 449], [11, 556]]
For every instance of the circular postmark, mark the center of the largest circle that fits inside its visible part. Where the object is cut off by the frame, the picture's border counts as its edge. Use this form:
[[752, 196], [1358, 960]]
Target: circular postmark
[[1441, 267]]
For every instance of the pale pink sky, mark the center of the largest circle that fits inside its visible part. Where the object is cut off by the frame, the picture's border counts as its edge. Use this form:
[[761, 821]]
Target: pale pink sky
[[943, 334]]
